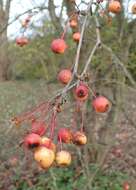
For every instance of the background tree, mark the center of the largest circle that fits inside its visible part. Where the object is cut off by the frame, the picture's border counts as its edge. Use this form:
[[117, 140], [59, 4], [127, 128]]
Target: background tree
[[4, 18]]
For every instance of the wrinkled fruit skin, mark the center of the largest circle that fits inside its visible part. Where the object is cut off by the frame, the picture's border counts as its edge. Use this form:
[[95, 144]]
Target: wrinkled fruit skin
[[64, 135], [81, 92], [63, 158], [76, 37], [126, 186], [114, 7], [38, 127], [79, 138], [65, 76], [32, 140], [22, 41], [73, 23], [58, 46], [46, 142], [134, 8], [44, 156], [101, 104]]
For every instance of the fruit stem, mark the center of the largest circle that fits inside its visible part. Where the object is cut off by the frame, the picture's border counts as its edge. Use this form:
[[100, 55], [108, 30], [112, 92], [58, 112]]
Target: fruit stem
[[92, 92], [60, 144], [65, 30], [82, 120], [53, 123]]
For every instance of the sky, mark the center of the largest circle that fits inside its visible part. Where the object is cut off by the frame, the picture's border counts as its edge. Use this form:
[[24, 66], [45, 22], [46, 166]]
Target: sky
[[20, 6]]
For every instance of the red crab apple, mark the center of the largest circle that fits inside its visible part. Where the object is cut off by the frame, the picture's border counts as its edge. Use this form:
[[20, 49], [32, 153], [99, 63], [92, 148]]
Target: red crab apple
[[32, 140], [65, 76], [44, 156], [58, 46], [73, 23], [64, 135], [22, 41], [38, 127], [79, 138], [114, 6], [101, 104], [99, 1], [63, 158], [126, 186], [81, 92], [76, 36], [46, 142]]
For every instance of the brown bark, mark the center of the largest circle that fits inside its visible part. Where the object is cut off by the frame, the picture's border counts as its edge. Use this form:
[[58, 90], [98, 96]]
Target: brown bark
[[4, 61], [54, 18]]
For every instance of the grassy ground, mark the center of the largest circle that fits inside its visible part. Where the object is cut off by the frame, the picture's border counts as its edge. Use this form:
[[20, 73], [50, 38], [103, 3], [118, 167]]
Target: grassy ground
[[16, 97]]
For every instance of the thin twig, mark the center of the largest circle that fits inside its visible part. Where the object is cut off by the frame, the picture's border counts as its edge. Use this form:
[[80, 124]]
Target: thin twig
[[124, 69], [17, 17]]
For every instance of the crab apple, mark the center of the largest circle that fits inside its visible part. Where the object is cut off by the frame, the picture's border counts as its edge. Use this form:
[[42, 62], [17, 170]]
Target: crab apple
[[73, 23], [101, 104], [32, 140], [44, 156], [38, 127], [76, 36], [126, 186], [63, 158], [81, 92], [114, 7], [58, 46], [65, 76], [133, 8], [28, 18], [79, 138], [46, 142], [24, 24], [22, 41], [64, 135], [99, 1]]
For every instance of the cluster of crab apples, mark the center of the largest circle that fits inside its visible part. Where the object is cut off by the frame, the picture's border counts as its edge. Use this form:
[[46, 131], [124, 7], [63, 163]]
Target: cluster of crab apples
[[47, 153], [45, 150]]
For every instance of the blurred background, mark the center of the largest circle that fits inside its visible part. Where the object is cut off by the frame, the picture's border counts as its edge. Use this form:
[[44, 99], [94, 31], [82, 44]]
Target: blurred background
[[28, 76]]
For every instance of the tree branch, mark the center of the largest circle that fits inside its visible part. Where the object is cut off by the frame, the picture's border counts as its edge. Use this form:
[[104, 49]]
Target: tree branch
[[15, 19], [54, 18], [124, 69]]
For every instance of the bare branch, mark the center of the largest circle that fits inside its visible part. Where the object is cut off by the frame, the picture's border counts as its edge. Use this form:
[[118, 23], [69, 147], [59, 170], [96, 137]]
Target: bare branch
[[15, 19], [124, 69]]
